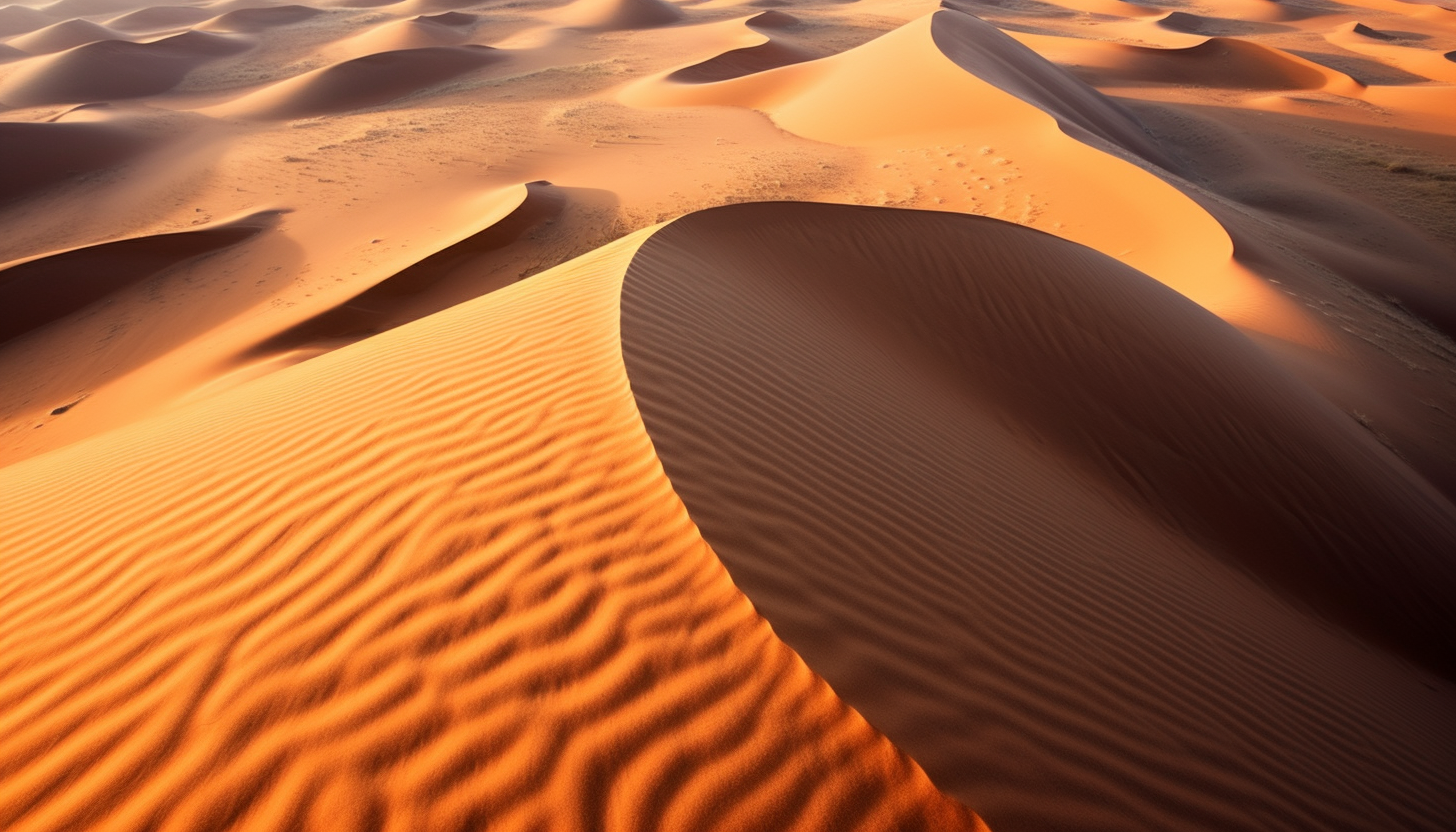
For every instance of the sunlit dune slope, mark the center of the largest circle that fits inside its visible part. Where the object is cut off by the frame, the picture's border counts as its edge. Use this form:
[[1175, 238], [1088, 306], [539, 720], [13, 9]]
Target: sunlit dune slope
[[435, 580], [1074, 544]]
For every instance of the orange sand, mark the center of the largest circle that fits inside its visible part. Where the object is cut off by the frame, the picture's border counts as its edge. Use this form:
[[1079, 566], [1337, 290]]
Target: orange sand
[[1124, 502]]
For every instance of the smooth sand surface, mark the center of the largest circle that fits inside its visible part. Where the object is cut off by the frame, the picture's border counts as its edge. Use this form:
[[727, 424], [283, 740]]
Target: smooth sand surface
[[743, 414]]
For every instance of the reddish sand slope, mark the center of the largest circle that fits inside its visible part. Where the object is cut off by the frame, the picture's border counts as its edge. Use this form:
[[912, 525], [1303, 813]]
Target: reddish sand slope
[[1042, 519], [456, 592]]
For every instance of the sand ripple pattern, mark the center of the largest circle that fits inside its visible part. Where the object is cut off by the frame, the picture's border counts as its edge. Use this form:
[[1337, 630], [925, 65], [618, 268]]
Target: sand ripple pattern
[[436, 581], [1052, 528]]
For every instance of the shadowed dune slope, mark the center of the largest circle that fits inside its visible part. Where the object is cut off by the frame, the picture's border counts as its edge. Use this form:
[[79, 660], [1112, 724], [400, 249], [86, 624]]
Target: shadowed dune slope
[[39, 155], [738, 62], [367, 82], [436, 580], [112, 69], [1050, 526], [993, 56], [39, 291], [1217, 63]]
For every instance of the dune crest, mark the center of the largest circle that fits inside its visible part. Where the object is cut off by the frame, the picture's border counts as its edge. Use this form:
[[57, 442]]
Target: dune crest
[[875, 438], [517, 631], [370, 81], [620, 14], [62, 36]]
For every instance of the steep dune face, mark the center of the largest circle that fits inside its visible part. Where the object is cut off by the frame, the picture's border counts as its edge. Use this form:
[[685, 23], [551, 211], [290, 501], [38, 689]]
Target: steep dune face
[[444, 586], [1041, 520]]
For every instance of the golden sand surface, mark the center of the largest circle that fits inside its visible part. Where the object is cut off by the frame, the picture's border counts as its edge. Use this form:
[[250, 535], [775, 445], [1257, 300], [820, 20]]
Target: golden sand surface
[[723, 414]]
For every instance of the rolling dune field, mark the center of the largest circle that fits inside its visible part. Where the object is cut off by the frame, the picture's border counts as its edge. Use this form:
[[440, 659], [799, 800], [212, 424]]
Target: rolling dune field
[[728, 414]]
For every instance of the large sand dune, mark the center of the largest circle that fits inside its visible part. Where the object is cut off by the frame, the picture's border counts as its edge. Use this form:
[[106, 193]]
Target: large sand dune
[[974, 473], [682, 414]]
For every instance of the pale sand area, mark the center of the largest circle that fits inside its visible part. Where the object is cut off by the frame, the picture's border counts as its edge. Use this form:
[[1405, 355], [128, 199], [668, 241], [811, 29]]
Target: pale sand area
[[384, 383]]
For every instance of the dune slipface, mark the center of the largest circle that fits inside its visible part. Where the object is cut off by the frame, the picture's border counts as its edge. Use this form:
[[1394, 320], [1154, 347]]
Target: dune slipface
[[1041, 519]]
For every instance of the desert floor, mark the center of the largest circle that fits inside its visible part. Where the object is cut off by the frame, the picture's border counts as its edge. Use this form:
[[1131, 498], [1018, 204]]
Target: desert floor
[[782, 414]]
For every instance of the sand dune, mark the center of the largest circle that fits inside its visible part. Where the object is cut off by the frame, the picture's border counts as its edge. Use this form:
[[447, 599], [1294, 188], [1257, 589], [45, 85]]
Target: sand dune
[[61, 36], [873, 435], [521, 629], [37, 292], [157, 18], [1201, 25], [17, 20], [738, 62], [259, 19], [45, 156], [620, 14], [414, 33], [369, 81], [397, 299], [1218, 62], [736, 414], [772, 20], [64, 9], [112, 69]]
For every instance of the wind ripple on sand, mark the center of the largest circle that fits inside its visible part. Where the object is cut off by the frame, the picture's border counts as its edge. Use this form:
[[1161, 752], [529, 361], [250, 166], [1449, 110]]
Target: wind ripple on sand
[[435, 580], [1048, 525]]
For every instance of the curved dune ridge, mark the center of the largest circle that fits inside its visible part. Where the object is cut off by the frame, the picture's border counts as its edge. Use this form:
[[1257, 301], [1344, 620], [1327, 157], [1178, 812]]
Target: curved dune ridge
[[154, 18], [17, 20], [1216, 63], [115, 69], [992, 56], [1047, 524], [42, 156], [451, 598], [610, 15], [61, 36], [738, 62], [36, 292], [370, 81], [260, 19], [391, 302]]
